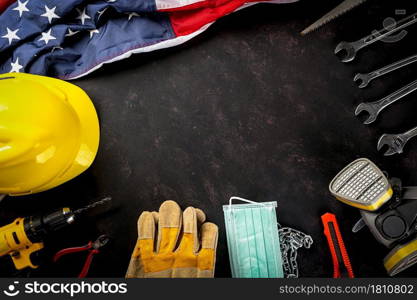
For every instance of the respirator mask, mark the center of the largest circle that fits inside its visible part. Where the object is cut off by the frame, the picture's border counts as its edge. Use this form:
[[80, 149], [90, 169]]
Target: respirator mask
[[387, 209]]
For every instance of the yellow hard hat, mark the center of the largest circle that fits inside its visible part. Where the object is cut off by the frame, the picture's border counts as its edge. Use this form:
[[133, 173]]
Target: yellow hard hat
[[49, 133]]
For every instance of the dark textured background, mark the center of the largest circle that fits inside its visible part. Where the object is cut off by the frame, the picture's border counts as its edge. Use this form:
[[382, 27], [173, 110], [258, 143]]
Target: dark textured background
[[249, 108]]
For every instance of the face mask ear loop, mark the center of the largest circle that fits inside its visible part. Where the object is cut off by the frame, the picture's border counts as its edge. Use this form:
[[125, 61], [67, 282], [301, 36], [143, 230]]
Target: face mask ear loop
[[244, 200]]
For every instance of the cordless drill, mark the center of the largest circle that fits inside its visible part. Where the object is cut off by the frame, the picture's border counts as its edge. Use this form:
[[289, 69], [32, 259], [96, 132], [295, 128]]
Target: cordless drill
[[24, 237]]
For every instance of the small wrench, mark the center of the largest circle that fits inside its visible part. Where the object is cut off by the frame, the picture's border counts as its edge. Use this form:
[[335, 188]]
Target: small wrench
[[396, 142], [364, 79], [374, 108], [350, 49]]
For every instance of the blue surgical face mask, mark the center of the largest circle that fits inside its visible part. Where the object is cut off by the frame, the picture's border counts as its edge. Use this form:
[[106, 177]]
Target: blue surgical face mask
[[253, 240]]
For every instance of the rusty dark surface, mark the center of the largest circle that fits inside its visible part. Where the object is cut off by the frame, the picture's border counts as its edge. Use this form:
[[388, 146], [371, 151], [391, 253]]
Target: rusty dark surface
[[250, 108]]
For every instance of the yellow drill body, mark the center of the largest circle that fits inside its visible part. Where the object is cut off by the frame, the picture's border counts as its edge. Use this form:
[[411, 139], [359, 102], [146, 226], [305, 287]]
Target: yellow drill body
[[14, 242]]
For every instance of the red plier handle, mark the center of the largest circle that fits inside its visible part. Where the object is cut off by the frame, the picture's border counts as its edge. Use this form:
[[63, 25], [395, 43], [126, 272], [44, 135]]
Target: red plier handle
[[340, 257], [91, 247]]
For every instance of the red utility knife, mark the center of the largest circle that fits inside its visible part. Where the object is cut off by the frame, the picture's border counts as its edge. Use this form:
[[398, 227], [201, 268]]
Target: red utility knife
[[341, 262]]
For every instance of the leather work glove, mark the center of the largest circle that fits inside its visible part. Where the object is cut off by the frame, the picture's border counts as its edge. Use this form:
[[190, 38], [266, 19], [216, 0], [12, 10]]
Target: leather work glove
[[179, 251]]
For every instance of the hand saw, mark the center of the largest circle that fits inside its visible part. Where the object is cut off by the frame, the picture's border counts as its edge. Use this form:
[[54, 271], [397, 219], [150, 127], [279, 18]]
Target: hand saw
[[342, 8]]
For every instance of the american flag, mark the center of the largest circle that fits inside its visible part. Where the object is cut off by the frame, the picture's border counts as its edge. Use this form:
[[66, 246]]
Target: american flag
[[68, 39]]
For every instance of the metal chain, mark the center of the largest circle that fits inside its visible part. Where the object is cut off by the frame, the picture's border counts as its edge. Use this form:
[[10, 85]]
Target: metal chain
[[291, 240]]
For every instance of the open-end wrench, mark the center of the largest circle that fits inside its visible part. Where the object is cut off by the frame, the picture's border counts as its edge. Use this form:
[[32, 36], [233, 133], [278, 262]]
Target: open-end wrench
[[374, 108], [350, 49], [364, 79], [396, 142]]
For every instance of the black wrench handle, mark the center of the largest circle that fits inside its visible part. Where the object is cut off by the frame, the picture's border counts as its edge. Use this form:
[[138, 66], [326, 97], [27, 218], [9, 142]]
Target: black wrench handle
[[392, 67], [383, 33], [410, 134], [394, 97]]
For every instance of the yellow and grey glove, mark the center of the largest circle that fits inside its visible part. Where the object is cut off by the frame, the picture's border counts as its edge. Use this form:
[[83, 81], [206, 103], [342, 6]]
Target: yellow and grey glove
[[180, 250]]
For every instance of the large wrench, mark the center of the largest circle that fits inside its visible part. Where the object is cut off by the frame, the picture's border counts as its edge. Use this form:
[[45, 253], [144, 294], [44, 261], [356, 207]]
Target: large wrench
[[396, 142], [374, 108], [364, 79], [352, 48]]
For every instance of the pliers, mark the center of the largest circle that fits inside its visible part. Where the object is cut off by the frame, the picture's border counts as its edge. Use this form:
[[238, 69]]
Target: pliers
[[91, 247]]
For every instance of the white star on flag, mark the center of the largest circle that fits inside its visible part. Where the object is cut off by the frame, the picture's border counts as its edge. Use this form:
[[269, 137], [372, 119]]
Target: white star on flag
[[71, 33], [82, 16], [16, 67], [21, 7], [47, 36], [50, 14], [132, 14], [92, 32], [11, 35]]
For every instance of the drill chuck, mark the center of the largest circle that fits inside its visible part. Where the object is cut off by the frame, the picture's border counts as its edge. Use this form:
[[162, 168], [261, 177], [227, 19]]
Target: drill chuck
[[37, 228]]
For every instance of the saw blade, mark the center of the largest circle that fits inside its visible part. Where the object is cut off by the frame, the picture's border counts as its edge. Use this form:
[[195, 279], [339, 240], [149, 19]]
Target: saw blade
[[342, 8]]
